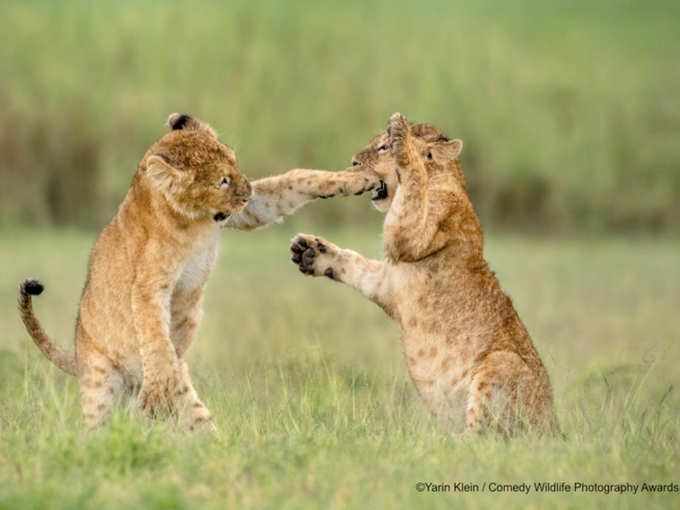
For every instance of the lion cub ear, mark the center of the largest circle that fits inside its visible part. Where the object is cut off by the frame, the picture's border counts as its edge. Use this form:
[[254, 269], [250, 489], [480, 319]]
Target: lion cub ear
[[177, 121], [161, 173], [448, 150], [182, 121]]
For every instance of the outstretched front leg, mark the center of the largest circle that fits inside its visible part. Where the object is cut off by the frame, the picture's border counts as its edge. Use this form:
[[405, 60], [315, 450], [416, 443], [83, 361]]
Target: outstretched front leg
[[317, 257], [281, 195]]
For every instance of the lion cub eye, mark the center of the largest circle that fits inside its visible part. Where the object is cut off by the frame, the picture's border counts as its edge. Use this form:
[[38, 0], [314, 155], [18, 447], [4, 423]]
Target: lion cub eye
[[429, 155], [382, 148], [224, 183]]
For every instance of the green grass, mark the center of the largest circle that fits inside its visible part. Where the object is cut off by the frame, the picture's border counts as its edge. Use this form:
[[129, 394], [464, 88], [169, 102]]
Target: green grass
[[568, 111], [311, 396]]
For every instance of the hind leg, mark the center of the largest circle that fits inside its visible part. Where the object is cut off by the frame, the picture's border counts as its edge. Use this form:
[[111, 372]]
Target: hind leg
[[193, 413], [493, 401], [100, 384]]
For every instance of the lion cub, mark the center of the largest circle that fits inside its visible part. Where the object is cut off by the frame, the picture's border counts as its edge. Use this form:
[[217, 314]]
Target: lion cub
[[141, 305], [469, 355]]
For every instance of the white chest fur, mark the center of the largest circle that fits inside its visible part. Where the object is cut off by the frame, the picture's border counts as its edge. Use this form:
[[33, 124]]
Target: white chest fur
[[199, 265]]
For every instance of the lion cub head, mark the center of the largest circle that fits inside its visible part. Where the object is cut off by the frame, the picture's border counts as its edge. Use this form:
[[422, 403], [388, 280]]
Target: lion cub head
[[427, 139], [197, 175]]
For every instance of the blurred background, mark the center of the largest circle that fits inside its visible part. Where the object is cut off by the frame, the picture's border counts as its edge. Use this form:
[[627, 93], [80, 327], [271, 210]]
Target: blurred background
[[569, 111]]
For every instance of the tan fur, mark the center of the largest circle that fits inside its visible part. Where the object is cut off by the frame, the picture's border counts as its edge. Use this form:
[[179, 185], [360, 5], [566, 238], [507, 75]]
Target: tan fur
[[142, 303], [468, 353], [281, 195]]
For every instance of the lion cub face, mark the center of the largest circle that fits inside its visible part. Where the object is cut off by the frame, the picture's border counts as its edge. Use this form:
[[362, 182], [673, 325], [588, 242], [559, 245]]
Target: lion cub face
[[378, 157], [196, 173]]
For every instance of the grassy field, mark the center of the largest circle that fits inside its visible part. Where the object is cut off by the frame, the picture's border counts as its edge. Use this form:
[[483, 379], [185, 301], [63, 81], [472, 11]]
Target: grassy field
[[568, 111], [570, 121], [311, 395]]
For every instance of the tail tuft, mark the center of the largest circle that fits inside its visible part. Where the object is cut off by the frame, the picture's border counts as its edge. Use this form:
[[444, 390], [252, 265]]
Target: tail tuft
[[64, 360], [32, 287]]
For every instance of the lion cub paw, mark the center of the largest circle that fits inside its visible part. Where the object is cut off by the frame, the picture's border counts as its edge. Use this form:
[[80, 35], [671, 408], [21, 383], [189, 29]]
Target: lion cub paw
[[199, 418], [159, 397], [360, 181], [313, 255], [350, 183]]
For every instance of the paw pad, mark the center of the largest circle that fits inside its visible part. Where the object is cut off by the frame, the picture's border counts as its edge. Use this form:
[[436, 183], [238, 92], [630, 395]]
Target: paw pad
[[305, 252]]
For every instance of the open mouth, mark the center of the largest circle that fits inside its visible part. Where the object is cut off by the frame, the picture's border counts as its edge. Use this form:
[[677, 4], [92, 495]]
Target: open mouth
[[380, 192]]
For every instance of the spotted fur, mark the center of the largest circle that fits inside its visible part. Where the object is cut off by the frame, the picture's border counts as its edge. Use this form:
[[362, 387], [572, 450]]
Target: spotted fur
[[467, 351], [282, 195]]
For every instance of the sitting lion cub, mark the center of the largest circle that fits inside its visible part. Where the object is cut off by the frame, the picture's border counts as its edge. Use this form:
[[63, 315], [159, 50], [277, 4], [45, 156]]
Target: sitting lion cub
[[469, 355], [142, 303]]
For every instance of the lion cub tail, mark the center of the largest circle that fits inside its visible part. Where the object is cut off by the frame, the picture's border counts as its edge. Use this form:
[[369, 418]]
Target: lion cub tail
[[64, 360]]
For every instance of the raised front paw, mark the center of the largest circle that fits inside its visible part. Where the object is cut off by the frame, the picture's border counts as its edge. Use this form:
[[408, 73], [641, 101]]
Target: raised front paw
[[313, 255], [159, 396]]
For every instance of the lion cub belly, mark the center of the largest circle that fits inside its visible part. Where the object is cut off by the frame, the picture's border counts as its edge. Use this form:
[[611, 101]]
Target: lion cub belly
[[441, 374], [437, 340]]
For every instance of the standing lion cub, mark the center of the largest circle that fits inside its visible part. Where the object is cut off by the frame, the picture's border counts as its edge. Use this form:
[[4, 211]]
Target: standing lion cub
[[142, 302], [468, 353]]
